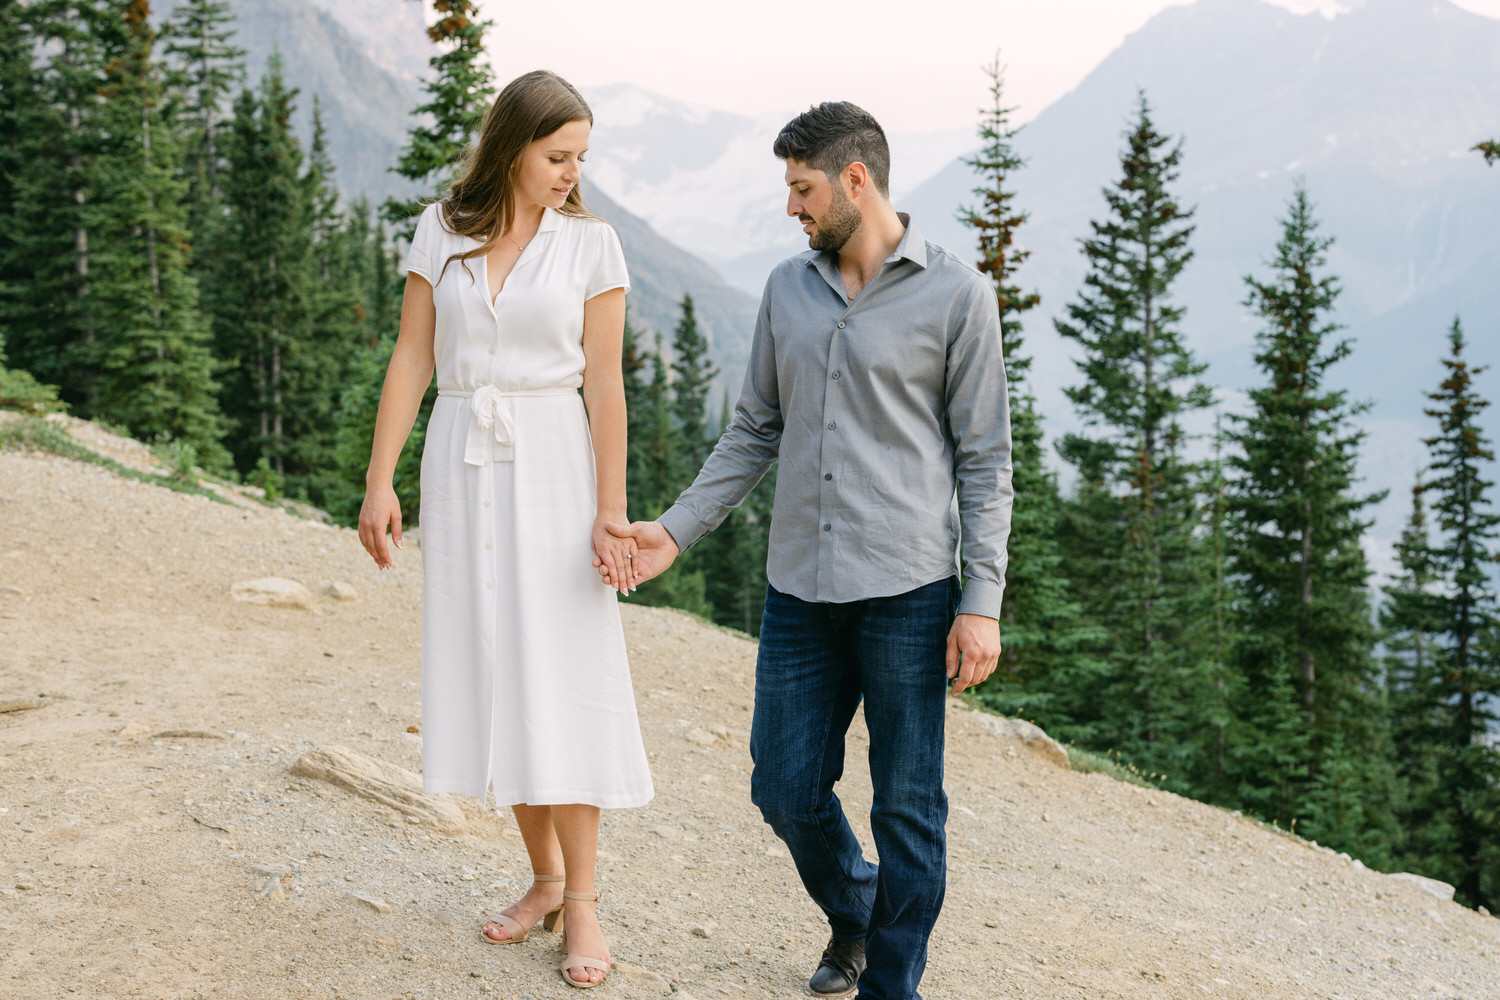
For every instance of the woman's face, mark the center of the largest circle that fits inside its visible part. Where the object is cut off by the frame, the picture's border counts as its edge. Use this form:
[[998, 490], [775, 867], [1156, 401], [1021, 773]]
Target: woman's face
[[551, 166]]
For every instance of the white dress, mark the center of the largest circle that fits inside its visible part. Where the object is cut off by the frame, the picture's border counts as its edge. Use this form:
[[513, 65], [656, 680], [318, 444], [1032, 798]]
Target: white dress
[[525, 683]]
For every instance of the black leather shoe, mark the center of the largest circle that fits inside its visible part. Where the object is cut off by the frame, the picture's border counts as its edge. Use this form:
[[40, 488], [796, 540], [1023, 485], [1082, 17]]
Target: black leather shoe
[[838, 971]]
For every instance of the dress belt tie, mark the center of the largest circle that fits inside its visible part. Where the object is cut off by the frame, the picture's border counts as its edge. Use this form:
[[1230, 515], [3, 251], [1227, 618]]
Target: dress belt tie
[[491, 416]]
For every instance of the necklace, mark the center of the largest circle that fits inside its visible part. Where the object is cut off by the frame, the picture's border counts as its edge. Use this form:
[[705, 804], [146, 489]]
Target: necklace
[[519, 246]]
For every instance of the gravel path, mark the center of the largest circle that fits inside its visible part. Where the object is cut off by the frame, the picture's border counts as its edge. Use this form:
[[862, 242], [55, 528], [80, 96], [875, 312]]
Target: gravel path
[[154, 842]]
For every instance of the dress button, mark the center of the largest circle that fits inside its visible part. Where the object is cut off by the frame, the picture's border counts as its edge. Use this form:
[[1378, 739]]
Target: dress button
[[489, 585], [489, 545], [841, 324], [831, 425], [835, 376], [827, 527], [492, 350], [486, 503], [827, 475]]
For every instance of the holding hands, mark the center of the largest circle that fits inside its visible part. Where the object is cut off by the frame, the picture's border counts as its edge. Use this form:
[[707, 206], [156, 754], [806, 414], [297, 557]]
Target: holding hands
[[651, 550], [615, 556]]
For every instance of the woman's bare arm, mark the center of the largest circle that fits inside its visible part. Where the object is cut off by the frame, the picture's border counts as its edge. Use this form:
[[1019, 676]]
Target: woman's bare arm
[[604, 395], [406, 381]]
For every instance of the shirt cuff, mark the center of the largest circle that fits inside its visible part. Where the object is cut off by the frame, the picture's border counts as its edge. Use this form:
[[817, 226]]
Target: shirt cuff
[[685, 528], [981, 597]]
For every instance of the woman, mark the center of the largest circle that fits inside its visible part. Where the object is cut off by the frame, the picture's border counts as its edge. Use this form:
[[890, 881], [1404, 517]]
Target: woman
[[516, 295]]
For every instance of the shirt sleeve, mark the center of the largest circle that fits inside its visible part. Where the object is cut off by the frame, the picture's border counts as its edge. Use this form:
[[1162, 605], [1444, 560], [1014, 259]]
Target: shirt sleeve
[[978, 406], [609, 270], [745, 450], [425, 242]]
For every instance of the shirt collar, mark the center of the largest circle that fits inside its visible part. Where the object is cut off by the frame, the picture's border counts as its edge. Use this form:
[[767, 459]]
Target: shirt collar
[[913, 247], [551, 220]]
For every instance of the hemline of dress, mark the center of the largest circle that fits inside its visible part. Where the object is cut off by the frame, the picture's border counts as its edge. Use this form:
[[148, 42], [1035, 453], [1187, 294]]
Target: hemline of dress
[[513, 797]]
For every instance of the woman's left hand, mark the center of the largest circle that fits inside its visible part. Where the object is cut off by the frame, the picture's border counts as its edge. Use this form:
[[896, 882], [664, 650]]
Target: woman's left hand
[[615, 557]]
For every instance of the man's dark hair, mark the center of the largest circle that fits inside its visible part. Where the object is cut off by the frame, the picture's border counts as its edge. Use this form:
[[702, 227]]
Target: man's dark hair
[[834, 134]]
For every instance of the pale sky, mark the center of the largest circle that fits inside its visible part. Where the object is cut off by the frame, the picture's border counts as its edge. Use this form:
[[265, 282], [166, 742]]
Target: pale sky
[[915, 66]]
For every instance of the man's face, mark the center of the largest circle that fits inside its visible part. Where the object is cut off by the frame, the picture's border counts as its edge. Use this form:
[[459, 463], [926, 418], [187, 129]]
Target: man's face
[[828, 217]]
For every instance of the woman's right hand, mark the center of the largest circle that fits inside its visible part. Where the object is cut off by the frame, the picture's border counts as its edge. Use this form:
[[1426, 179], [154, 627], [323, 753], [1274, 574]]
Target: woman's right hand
[[380, 510]]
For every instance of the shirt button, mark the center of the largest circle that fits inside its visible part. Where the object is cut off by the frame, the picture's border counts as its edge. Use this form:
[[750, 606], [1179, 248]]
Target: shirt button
[[835, 375], [841, 324], [489, 585], [827, 527], [492, 350], [832, 425], [486, 503], [489, 545], [827, 475]]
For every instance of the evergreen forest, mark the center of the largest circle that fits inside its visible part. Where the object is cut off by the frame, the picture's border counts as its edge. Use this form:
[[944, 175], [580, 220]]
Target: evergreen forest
[[177, 265]]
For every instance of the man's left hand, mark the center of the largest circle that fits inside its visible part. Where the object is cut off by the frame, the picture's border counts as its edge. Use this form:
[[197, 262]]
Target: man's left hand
[[973, 650]]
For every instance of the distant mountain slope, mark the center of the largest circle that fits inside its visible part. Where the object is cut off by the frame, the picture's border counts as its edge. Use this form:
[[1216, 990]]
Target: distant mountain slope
[[661, 273], [365, 107], [367, 110], [1376, 109]]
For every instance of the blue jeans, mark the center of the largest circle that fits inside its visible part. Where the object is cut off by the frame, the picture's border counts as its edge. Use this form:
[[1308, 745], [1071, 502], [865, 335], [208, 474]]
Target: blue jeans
[[816, 663]]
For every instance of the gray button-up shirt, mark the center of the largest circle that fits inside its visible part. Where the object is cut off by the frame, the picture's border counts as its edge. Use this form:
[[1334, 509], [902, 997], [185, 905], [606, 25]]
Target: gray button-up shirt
[[879, 409]]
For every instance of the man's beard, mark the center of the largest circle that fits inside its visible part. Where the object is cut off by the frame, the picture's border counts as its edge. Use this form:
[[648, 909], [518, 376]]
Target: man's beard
[[841, 223]]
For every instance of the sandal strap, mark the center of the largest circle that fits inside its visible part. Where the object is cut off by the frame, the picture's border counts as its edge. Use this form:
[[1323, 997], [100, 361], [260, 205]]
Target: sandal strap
[[583, 962], [510, 924], [548, 878], [591, 897]]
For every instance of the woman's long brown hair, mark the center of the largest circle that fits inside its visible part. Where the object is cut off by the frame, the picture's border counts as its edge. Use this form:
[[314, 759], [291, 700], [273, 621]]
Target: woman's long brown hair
[[481, 203]]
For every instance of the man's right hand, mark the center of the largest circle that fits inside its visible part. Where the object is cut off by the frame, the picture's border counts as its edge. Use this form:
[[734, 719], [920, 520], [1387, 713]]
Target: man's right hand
[[655, 547]]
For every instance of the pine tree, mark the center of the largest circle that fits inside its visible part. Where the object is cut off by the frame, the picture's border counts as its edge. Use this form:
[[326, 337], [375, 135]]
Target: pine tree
[[1296, 526], [693, 375], [1463, 833], [1133, 550], [155, 364], [1491, 150], [261, 253], [48, 310], [1411, 627], [208, 66], [336, 314], [1039, 621], [18, 91], [459, 90]]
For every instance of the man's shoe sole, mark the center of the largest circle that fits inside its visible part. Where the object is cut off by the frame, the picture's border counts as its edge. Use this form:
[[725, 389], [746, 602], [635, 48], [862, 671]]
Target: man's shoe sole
[[833, 996]]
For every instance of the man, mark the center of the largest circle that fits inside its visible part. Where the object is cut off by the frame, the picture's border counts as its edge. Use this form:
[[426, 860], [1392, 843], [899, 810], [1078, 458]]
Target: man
[[876, 377]]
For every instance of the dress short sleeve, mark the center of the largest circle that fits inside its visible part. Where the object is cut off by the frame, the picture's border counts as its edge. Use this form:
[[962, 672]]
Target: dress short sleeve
[[425, 242], [609, 266]]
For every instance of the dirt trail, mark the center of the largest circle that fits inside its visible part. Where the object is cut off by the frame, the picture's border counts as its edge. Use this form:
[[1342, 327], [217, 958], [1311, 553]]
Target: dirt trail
[[155, 843]]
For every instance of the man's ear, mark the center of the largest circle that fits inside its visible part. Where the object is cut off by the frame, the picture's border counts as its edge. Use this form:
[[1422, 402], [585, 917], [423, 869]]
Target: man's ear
[[856, 180]]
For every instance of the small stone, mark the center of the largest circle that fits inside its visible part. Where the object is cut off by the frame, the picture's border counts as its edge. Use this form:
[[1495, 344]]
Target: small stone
[[385, 783], [133, 729], [992, 923], [413, 729], [273, 591], [775, 851], [666, 832], [1442, 890], [21, 705], [340, 591], [373, 902], [187, 734], [1483, 911], [640, 975], [723, 735], [1030, 736], [705, 930], [701, 737]]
